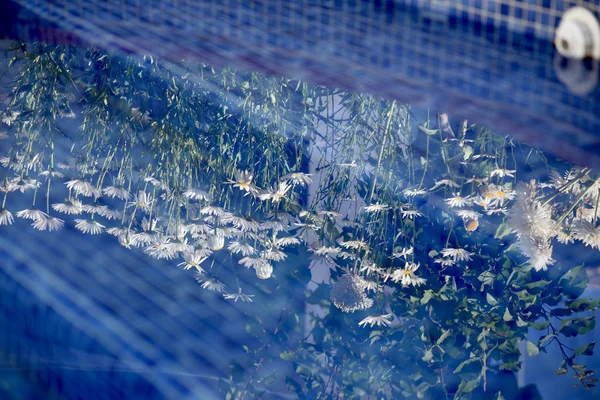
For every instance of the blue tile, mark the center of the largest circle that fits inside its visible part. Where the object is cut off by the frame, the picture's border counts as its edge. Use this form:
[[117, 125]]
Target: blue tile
[[504, 9], [518, 12]]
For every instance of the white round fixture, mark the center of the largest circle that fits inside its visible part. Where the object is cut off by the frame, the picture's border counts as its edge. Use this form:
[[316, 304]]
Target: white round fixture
[[578, 34]]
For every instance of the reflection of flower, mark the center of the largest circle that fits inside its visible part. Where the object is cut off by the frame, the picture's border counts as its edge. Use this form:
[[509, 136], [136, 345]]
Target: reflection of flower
[[457, 201], [264, 270], [6, 217], [405, 252], [196, 194], [142, 201], [456, 254], [243, 181], [209, 283], [31, 213], [69, 206], [379, 320], [348, 293], [588, 232], [275, 195], [83, 188], [376, 208], [89, 226], [193, 259], [538, 251], [501, 173], [239, 296], [48, 224], [412, 192], [216, 241], [406, 276], [117, 192], [298, 178]]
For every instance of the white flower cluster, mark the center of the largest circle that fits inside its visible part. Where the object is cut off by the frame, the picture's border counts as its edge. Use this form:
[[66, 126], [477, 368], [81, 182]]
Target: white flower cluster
[[531, 220]]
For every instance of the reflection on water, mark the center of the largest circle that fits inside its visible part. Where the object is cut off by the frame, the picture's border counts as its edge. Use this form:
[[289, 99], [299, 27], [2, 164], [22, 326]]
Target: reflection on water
[[365, 250]]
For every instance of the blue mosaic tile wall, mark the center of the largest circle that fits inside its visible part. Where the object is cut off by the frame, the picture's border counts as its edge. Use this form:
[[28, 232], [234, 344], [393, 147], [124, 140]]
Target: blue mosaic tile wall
[[536, 17]]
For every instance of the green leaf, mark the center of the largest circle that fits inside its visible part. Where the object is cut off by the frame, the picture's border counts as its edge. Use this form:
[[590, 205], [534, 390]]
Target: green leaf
[[467, 386], [532, 349], [490, 299], [427, 295], [586, 350], [540, 326], [287, 355], [467, 152], [538, 284], [560, 312], [574, 282], [443, 337], [511, 366], [502, 231], [584, 304], [573, 326], [465, 363], [507, 317]]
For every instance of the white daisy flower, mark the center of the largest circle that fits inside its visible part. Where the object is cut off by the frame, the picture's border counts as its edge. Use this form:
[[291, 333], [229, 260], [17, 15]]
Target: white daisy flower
[[444, 262], [287, 241], [445, 182], [52, 173], [117, 192], [23, 184], [376, 208], [458, 201], [468, 214], [588, 232], [410, 192], [354, 244], [298, 178], [6, 217], [457, 254], [405, 252], [501, 173], [196, 194], [275, 195], [192, 259], [48, 224], [273, 254], [164, 250], [143, 201], [238, 296], [244, 249], [69, 206], [379, 320], [209, 283], [410, 214], [327, 251], [31, 213], [216, 241], [264, 270], [83, 188], [406, 276], [243, 181], [245, 224], [90, 226], [369, 267]]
